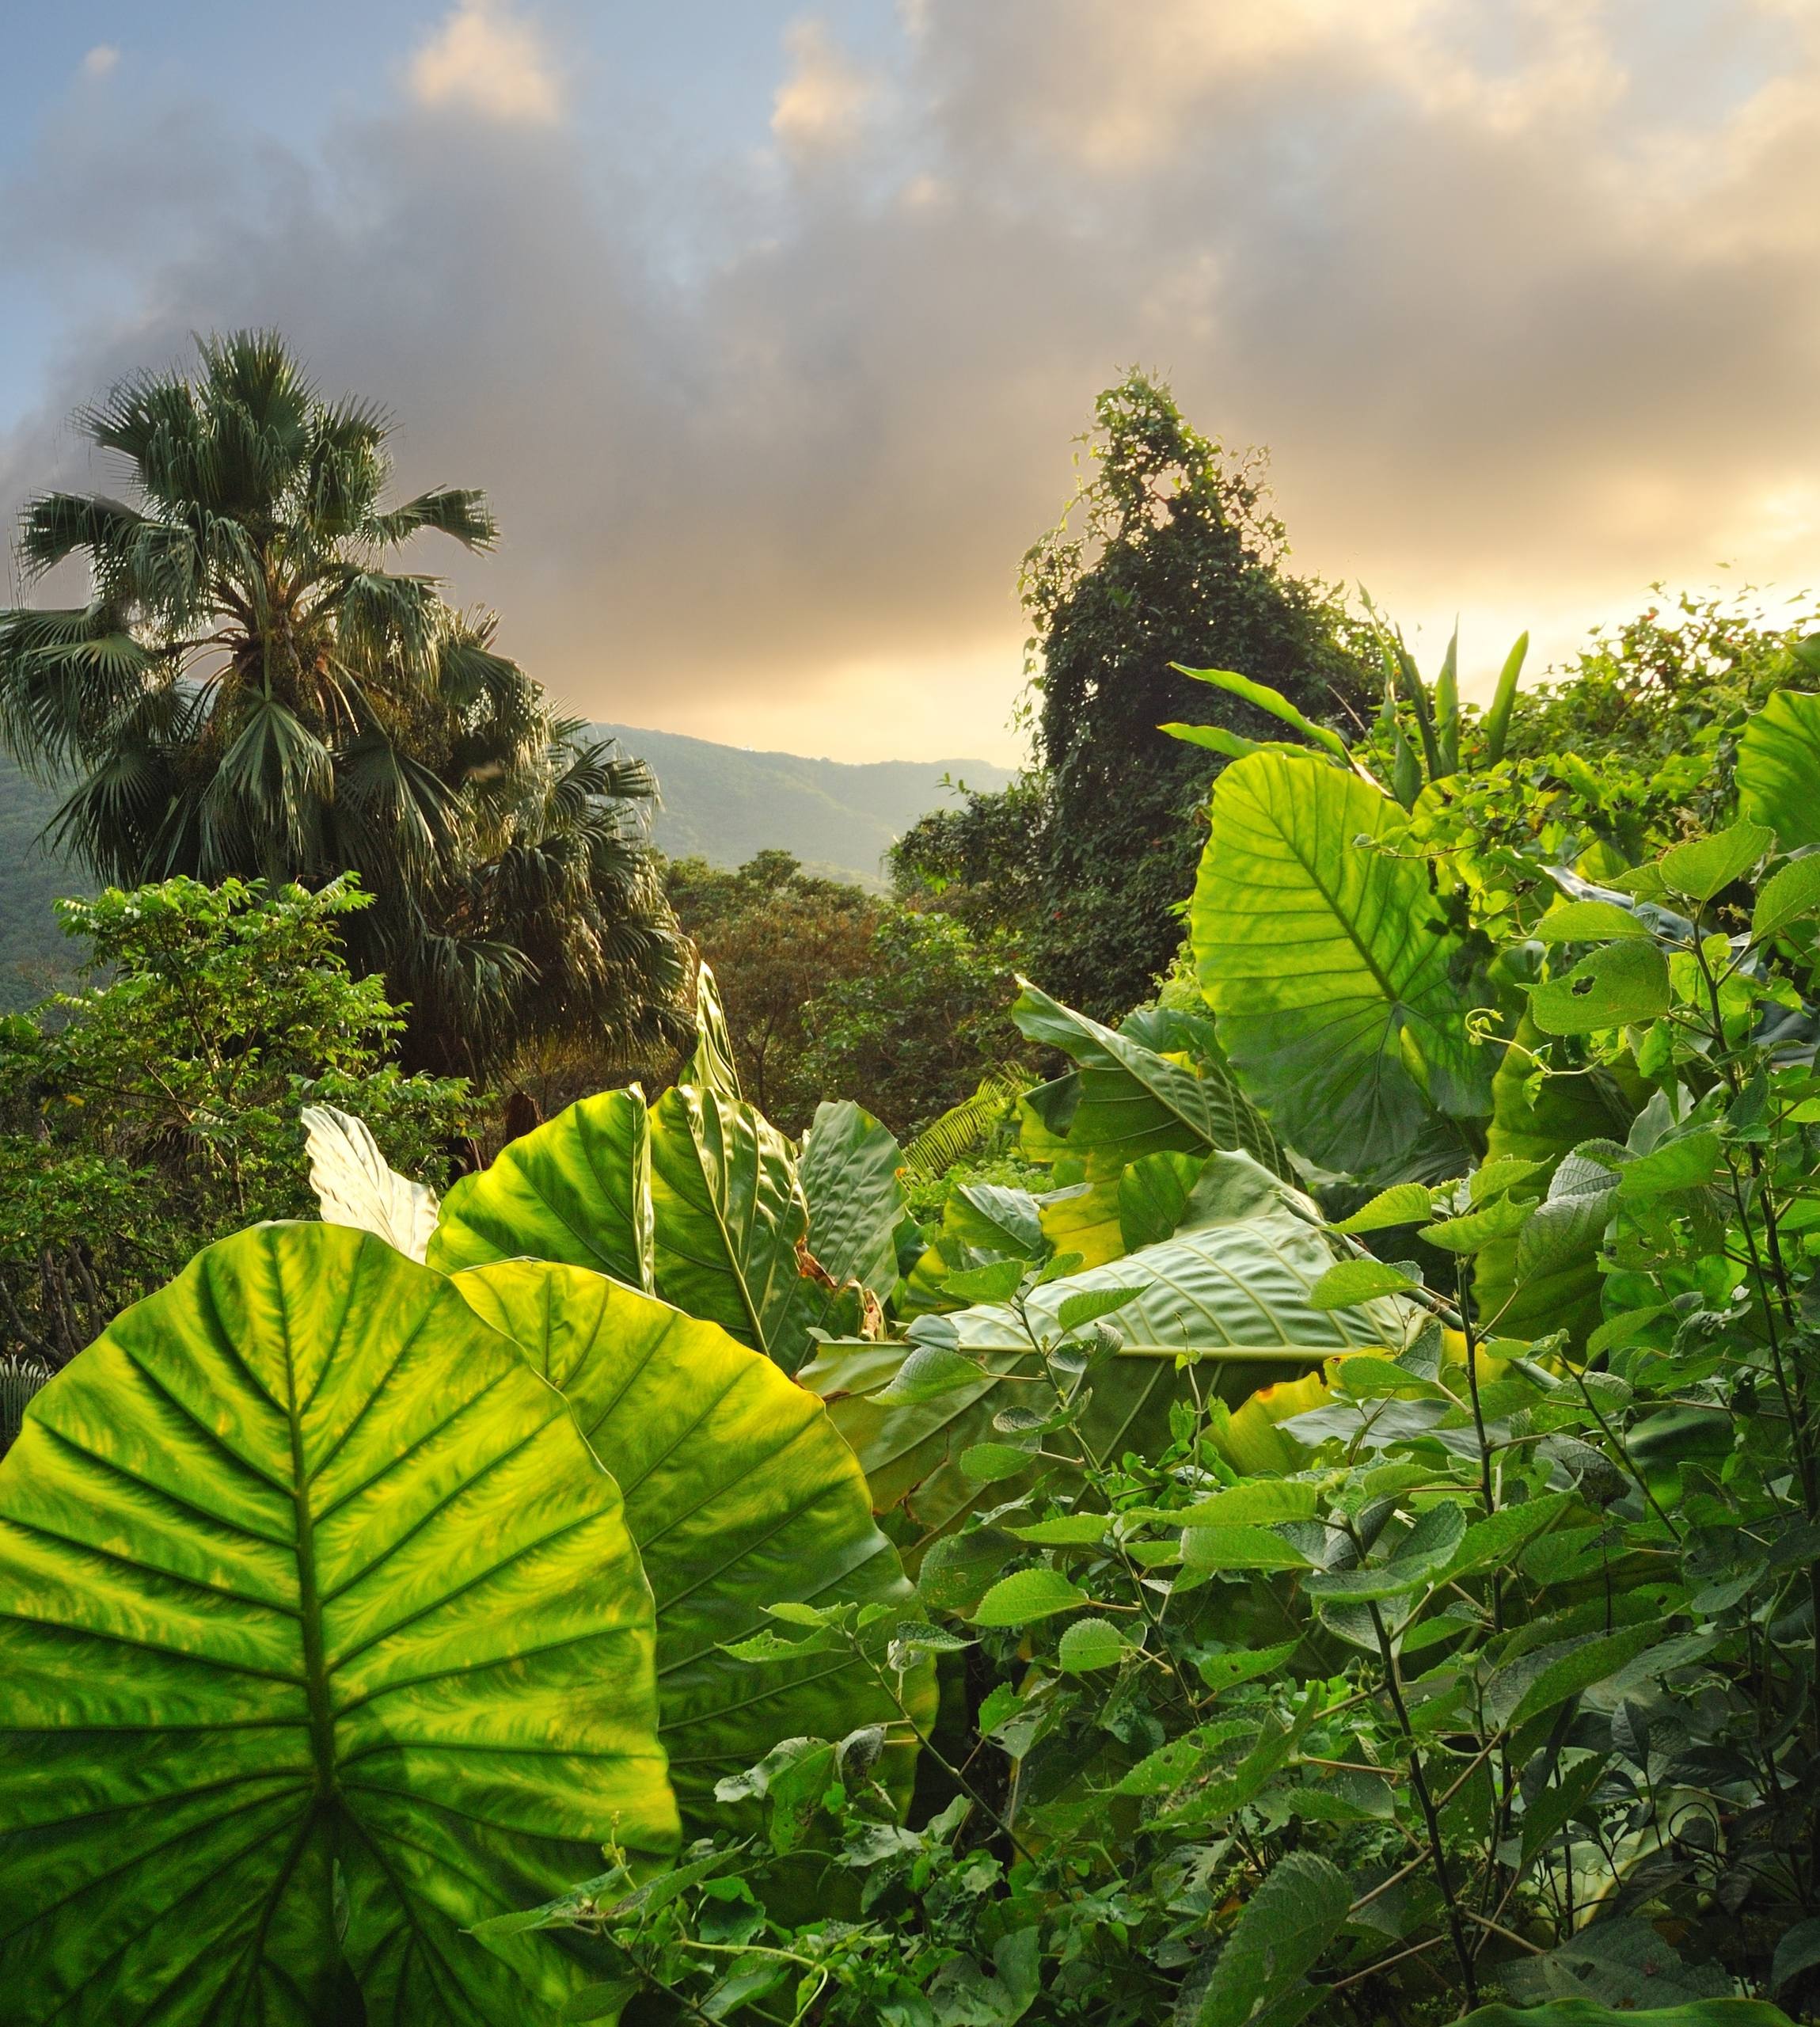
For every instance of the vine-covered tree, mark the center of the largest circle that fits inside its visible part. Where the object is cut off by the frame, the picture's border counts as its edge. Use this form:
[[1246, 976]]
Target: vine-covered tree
[[249, 691], [1168, 552]]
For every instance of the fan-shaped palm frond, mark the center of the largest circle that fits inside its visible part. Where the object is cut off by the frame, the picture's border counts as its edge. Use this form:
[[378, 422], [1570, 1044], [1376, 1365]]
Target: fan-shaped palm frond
[[251, 691]]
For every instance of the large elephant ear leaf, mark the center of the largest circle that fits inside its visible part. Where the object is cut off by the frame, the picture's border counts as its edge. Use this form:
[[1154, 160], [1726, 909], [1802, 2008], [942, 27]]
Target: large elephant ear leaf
[[732, 1224], [318, 1619], [1521, 1291], [1327, 964], [850, 1169], [712, 1067], [1127, 1099], [355, 1184], [577, 1188], [1779, 767], [740, 1493], [1233, 1295]]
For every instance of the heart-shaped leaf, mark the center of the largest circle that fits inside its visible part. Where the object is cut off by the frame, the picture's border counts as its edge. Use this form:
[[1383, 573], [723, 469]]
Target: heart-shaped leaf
[[1329, 965], [743, 1498], [305, 1576], [1613, 987], [578, 1189]]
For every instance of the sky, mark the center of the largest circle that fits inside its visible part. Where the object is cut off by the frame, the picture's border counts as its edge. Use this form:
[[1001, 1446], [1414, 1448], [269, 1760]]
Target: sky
[[770, 331]]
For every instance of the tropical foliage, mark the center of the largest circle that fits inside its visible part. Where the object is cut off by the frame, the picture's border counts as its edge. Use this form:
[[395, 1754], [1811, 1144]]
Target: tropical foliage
[[1300, 1503], [157, 1109], [829, 988], [1168, 552], [249, 691]]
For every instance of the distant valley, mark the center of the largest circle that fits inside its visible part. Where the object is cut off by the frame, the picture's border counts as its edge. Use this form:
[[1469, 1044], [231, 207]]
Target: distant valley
[[719, 803]]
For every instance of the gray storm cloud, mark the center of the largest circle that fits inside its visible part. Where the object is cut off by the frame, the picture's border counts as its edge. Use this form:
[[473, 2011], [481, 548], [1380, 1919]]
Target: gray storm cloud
[[1523, 298]]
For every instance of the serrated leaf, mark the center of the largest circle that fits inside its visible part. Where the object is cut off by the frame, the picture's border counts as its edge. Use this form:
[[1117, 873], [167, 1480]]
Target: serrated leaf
[[1490, 1543], [928, 1372], [992, 1283], [985, 1462], [1090, 1644], [1403, 1204], [1027, 1595], [1589, 921], [1075, 1530], [1500, 1219], [1090, 1304], [1786, 896], [1549, 1812], [1224, 1672], [1543, 1679], [1239, 1548], [1348, 1282], [1704, 866], [1260, 1502], [1685, 1162], [1416, 1562], [1282, 1932]]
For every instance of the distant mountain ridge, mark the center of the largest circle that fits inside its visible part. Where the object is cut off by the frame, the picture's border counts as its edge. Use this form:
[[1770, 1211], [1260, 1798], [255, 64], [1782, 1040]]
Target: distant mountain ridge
[[719, 803], [724, 803]]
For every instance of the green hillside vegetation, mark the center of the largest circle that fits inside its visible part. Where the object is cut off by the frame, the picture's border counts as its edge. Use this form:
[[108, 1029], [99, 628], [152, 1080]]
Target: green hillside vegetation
[[35, 955], [721, 804], [838, 818]]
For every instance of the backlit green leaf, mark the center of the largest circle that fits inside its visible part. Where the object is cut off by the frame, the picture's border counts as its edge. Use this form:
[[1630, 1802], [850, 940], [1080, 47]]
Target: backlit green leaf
[[578, 1189], [1218, 1548], [1589, 921], [1786, 896], [1704, 866], [1328, 965], [1403, 1204], [1027, 1595], [1090, 1644], [743, 1499], [301, 1566], [1779, 768], [1618, 986], [1349, 1282]]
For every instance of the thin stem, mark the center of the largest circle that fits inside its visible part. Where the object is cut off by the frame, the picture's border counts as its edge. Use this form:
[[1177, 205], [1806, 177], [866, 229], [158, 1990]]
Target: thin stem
[[1431, 1816]]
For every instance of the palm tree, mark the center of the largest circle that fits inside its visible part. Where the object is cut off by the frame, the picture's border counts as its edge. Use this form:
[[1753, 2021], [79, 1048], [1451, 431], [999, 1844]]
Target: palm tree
[[249, 691]]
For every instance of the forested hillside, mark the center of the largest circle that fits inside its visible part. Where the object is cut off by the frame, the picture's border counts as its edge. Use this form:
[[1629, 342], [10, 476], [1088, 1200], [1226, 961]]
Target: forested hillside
[[34, 953], [719, 803], [724, 803]]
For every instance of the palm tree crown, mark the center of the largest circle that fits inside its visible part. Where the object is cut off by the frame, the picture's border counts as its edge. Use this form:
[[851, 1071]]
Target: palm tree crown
[[249, 691]]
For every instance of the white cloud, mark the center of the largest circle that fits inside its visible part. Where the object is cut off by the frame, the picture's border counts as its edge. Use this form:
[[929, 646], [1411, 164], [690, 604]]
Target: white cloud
[[486, 58], [101, 60], [820, 108]]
